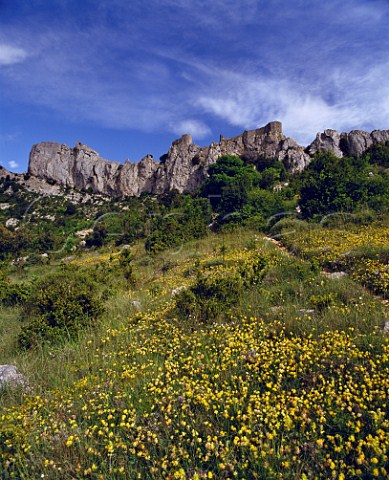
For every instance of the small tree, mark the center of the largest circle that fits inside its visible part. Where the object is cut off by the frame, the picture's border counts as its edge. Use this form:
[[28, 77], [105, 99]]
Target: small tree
[[125, 261]]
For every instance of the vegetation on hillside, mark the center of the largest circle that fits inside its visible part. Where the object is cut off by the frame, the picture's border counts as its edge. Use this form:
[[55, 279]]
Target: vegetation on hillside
[[214, 335], [235, 192]]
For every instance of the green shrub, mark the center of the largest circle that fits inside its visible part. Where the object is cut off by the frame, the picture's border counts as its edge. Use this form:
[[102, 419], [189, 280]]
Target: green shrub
[[126, 259], [323, 301], [12, 294], [208, 298], [60, 305], [253, 272], [287, 226]]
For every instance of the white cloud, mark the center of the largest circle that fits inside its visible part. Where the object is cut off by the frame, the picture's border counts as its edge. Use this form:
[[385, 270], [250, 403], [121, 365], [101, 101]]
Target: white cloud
[[357, 11], [10, 54], [13, 164], [194, 127], [215, 13], [346, 101]]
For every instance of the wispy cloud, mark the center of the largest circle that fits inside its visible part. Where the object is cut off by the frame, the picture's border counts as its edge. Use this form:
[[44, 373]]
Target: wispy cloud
[[217, 12], [355, 101], [195, 127], [13, 164], [8, 137], [355, 11], [10, 54]]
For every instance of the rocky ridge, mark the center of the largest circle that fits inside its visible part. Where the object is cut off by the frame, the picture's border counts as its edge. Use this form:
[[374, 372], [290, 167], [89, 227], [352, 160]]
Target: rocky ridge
[[185, 165], [354, 143]]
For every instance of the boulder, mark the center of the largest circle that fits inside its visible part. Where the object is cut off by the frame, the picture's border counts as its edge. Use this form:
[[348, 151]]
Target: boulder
[[136, 304], [10, 377], [335, 275], [178, 290], [307, 311], [328, 141], [12, 222]]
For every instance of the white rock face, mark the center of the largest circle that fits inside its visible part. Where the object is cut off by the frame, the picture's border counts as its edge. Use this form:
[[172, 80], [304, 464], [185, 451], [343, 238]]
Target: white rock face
[[79, 167], [184, 167], [329, 140]]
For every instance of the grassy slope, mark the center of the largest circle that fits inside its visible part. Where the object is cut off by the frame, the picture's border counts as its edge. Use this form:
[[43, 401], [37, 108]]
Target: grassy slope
[[265, 390]]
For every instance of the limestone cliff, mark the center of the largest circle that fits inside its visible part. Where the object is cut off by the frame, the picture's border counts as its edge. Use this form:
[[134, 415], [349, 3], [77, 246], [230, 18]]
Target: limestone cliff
[[185, 165], [79, 167], [353, 144], [183, 168]]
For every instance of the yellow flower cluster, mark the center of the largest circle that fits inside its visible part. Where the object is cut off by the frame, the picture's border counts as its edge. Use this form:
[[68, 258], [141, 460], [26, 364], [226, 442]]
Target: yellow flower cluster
[[327, 245], [373, 273], [236, 401], [96, 259]]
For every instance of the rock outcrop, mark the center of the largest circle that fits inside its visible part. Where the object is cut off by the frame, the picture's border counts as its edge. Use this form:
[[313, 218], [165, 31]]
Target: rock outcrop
[[353, 144], [185, 165], [79, 167], [183, 168]]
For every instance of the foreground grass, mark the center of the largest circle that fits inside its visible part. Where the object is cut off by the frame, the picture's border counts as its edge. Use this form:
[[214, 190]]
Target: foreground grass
[[289, 382]]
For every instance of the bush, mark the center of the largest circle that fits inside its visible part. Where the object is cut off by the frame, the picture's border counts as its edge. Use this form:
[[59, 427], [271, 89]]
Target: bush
[[287, 226], [59, 306], [175, 228], [379, 154], [208, 298], [126, 259], [330, 184], [212, 296], [12, 294]]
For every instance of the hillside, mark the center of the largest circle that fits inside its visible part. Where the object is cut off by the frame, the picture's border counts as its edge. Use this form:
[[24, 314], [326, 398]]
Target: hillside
[[226, 358], [240, 331]]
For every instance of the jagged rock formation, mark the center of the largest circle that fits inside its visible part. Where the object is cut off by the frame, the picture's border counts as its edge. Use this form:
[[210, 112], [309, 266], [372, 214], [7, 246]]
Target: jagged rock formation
[[185, 165], [6, 173], [353, 144], [31, 183], [79, 167], [183, 168]]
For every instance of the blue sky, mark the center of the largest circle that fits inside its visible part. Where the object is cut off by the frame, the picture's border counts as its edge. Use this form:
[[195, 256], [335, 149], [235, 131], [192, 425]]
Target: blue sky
[[127, 77]]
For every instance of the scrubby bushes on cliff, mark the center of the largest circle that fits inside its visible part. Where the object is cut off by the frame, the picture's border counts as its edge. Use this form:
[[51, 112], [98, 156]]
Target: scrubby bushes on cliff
[[378, 154], [238, 191], [229, 182], [60, 305]]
